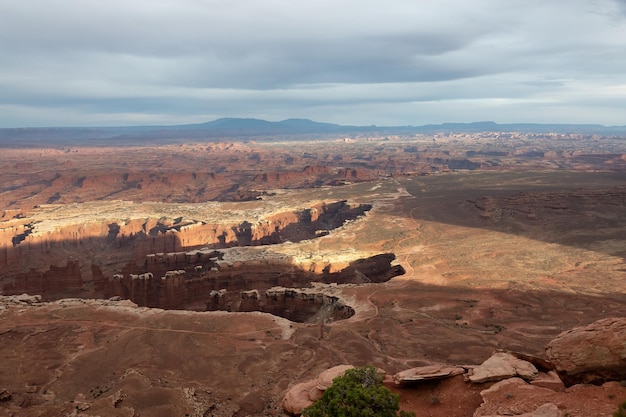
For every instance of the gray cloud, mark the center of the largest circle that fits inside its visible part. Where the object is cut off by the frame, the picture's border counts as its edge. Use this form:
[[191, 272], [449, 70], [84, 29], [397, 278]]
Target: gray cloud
[[76, 62]]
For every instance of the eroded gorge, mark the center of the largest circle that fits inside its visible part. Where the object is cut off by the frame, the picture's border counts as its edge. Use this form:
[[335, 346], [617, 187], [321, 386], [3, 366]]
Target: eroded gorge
[[215, 260]]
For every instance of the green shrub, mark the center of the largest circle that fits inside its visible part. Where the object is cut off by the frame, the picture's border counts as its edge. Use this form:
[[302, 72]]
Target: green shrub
[[621, 410], [357, 393]]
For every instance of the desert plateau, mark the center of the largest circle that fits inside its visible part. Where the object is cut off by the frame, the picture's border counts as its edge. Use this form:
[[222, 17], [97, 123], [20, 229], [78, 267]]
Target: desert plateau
[[171, 274]]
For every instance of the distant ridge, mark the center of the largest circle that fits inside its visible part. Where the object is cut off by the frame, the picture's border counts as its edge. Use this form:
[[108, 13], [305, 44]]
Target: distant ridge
[[259, 125], [246, 128]]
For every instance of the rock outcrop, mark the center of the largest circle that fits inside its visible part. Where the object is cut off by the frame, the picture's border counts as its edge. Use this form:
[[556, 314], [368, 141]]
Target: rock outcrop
[[306, 393], [514, 397], [426, 373], [57, 282], [300, 396], [548, 380], [125, 231], [500, 366], [591, 354], [325, 379], [234, 279]]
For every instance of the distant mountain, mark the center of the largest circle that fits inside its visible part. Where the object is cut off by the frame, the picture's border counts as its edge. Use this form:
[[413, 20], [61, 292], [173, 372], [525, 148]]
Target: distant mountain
[[259, 126], [245, 128]]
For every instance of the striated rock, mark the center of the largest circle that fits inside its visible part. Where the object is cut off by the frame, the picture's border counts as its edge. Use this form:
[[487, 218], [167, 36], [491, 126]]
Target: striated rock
[[426, 373], [591, 354], [501, 366], [325, 379]]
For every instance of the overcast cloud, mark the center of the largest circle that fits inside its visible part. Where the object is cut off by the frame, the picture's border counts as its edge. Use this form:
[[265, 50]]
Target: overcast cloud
[[398, 62]]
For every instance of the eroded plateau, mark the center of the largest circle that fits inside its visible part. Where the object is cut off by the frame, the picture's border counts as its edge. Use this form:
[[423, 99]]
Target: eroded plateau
[[392, 251]]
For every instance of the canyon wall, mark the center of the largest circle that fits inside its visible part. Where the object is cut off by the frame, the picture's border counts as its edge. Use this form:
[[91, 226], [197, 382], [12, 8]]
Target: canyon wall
[[178, 262], [203, 281], [37, 244]]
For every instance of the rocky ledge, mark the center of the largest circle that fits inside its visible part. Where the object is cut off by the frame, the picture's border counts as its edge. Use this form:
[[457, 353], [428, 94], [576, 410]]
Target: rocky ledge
[[512, 384]]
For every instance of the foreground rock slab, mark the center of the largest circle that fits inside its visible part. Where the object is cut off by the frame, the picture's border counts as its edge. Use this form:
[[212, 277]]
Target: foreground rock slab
[[591, 354], [546, 410], [516, 397]]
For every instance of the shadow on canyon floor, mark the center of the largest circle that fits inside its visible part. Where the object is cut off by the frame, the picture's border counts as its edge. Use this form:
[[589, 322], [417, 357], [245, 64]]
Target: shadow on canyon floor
[[576, 209], [203, 280]]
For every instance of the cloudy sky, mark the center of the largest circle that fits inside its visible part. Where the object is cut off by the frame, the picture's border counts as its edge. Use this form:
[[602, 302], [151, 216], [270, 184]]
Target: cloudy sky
[[392, 62]]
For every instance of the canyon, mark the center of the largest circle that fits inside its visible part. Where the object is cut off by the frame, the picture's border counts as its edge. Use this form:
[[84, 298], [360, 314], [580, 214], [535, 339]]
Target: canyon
[[206, 278]]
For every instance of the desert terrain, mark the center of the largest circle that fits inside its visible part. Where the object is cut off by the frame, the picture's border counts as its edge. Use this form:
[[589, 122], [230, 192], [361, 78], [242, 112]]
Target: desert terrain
[[207, 278]]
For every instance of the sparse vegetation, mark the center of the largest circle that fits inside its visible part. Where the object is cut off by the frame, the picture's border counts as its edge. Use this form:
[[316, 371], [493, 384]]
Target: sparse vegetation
[[621, 410], [357, 393], [433, 399]]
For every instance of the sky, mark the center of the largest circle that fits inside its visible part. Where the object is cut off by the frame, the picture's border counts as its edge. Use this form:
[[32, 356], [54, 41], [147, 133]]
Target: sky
[[351, 62]]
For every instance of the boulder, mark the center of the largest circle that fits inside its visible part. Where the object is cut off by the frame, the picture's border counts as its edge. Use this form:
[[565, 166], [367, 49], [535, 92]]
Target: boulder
[[591, 354], [315, 393], [426, 373], [306, 393], [502, 366], [299, 397], [325, 379]]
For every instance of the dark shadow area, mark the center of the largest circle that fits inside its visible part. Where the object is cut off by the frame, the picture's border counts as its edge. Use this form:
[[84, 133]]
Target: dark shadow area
[[568, 208]]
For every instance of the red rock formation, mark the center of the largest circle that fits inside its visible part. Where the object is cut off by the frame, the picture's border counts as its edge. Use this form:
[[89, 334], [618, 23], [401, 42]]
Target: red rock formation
[[500, 366], [198, 281], [133, 239], [306, 393], [55, 283], [591, 354]]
